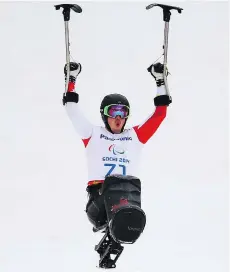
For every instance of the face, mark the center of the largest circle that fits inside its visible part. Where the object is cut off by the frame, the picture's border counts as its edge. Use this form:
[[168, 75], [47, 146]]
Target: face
[[116, 124]]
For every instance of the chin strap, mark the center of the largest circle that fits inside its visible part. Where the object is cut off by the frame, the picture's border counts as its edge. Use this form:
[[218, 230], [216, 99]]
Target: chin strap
[[124, 125]]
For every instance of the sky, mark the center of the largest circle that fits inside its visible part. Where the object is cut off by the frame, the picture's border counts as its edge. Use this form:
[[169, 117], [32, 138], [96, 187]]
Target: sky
[[184, 167]]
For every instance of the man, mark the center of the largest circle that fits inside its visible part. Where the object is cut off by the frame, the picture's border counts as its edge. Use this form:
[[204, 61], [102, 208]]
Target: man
[[113, 150]]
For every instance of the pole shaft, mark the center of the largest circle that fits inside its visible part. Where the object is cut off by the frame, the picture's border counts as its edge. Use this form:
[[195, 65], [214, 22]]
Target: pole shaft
[[67, 54], [166, 32]]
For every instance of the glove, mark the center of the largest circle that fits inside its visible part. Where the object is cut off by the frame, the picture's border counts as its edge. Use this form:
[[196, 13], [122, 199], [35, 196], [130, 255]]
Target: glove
[[71, 96], [157, 71], [75, 70]]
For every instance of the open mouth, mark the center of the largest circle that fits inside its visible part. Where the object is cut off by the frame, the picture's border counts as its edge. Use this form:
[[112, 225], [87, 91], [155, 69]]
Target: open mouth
[[118, 123]]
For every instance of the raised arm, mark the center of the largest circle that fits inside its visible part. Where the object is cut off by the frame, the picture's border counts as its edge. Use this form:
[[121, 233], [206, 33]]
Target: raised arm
[[146, 130], [71, 102]]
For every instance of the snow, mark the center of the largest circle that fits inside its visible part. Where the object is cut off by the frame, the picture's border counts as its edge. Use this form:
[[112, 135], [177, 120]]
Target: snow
[[43, 226]]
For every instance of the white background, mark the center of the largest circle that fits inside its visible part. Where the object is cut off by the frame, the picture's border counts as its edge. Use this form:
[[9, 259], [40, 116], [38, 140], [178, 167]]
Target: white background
[[184, 171]]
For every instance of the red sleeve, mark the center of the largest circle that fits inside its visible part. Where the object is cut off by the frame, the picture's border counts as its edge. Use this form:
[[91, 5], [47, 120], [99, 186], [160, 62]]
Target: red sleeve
[[146, 130]]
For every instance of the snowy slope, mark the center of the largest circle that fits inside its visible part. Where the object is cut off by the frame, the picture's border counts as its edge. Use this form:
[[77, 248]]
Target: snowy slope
[[43, 226]]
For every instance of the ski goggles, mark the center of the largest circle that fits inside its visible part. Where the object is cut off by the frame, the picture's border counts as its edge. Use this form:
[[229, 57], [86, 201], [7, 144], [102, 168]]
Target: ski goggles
[[114, 110]]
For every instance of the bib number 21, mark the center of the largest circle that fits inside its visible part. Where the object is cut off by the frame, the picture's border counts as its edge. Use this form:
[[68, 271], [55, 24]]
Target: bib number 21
[[113, 166]]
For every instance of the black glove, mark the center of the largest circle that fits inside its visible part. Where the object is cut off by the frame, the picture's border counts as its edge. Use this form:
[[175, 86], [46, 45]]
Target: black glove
[[157, 71]]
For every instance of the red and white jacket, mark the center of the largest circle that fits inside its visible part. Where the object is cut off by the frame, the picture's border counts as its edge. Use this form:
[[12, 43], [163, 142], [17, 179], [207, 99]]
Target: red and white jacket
[[109, 153]]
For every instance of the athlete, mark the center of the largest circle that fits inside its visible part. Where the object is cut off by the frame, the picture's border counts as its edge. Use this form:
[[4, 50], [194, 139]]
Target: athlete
[[112, 149]]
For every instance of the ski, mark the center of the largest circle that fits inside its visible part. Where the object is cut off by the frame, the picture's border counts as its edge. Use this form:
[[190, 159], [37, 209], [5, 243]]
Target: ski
[[107, 247]]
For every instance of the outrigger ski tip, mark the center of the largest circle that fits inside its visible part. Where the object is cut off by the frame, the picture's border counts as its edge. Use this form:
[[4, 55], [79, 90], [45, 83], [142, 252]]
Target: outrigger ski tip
[[67, 8], [74, 7], [164, 7], [166, 10]]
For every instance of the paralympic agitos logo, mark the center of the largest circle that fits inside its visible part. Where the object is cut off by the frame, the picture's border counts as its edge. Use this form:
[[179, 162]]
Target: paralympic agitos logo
[[116, 150]]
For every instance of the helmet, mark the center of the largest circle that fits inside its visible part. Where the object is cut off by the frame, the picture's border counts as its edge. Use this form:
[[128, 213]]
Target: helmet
[[112, 99]]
